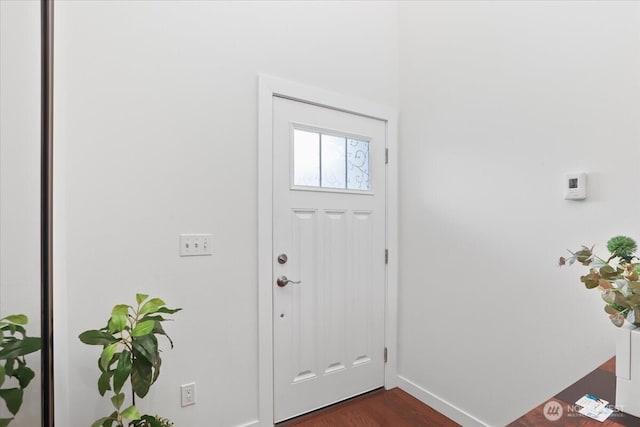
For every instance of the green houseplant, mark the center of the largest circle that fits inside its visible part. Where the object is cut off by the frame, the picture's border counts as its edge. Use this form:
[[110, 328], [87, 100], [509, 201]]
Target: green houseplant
[[14, 345], [617, 278], [130, 353]]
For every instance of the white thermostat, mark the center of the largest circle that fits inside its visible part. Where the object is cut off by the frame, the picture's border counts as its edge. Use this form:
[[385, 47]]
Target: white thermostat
[[575, 186]]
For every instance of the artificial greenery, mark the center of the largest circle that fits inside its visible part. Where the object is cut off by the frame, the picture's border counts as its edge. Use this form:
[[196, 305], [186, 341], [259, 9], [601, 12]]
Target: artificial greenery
[[622, 247], [617, 278], [148, 421], [14, 345], [130, 353]]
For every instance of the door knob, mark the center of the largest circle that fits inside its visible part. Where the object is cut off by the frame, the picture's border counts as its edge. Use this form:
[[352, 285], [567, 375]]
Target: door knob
[[282, 281]]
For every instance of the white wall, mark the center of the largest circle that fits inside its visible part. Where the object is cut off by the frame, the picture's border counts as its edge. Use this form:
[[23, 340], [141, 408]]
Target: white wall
[[156, 125], [498, 100], [20, 180], [156, 136]]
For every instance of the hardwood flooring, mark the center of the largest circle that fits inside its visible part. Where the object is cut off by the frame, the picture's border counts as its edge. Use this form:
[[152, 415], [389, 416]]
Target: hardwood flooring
[[396, 408], [379, 408], [600, 382]]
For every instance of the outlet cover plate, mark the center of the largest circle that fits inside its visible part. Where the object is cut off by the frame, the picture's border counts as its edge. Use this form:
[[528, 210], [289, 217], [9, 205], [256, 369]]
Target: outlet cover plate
[[188, 394]]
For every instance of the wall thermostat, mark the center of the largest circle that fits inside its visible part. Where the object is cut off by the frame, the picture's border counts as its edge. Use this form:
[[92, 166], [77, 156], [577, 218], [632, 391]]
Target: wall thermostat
[[575, 186]]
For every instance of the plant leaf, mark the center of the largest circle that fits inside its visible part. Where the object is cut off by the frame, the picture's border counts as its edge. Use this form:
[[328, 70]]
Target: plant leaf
[[94, 337], [605, 284], [148, 307], [119, 316], [2, 375], [24, 375], [20, 347], [143, 328], [617, 319], [156, 318], [122, 371], [99, 422], [158, 301], [13, 398], [634, 286], [9, 366], [131, 413], [118, 400], [610, 309], [120, 309], [149, 421], [117, 322], [104, 382], [141, 377], [18, 319], [621, 300], [156, 369], [168, 310], [608, 272], [590, 280], [140, 298], [4, 422], [146, 347], [107, 355], [158, 330], [13, 329]]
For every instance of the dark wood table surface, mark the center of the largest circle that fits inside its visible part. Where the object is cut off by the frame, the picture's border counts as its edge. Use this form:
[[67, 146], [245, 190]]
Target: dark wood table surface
[[601, 383]]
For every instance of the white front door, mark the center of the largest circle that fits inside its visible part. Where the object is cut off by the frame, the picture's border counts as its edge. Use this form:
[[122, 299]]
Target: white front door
[[328, 234]]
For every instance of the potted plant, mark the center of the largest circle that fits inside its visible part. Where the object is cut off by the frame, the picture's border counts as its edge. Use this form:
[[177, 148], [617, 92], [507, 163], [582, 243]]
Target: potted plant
[[130, 353], [14, 345], [618, 280]]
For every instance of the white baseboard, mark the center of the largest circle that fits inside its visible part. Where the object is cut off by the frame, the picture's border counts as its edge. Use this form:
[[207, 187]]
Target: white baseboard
[[439, 404], [426, 397]]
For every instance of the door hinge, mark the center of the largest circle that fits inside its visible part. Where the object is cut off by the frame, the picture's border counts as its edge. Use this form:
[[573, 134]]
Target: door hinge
[[385, 355], [386, 256], [386, 156]]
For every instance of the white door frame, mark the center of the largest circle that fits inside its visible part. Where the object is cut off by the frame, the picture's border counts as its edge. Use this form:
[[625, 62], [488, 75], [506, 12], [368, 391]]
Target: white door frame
[[268, 87]]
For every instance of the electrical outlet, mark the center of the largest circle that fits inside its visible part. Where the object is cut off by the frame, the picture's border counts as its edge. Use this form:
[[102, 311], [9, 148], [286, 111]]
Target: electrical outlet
[[195, 244], [188, 394]]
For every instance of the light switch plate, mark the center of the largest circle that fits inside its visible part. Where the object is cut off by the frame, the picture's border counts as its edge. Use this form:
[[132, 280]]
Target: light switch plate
[[195, 244]]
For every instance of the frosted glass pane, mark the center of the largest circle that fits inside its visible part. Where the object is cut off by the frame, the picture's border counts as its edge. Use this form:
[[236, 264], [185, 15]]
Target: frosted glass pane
[[334, 166], [329, 161], [306, 158], [358, 165]]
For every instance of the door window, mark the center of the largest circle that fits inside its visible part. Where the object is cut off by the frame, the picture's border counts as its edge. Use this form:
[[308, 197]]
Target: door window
[[330, 161]]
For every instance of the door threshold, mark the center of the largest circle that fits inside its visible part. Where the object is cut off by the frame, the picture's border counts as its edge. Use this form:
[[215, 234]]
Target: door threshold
[[303, 417]]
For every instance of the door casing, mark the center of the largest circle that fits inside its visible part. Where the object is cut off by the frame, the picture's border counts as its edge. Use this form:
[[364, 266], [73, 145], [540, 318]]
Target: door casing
[[268, 87]]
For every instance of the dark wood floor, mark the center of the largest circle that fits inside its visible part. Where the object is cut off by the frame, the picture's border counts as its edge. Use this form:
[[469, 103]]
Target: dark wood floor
[[380, 408], [600, 382], [396, 408]]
